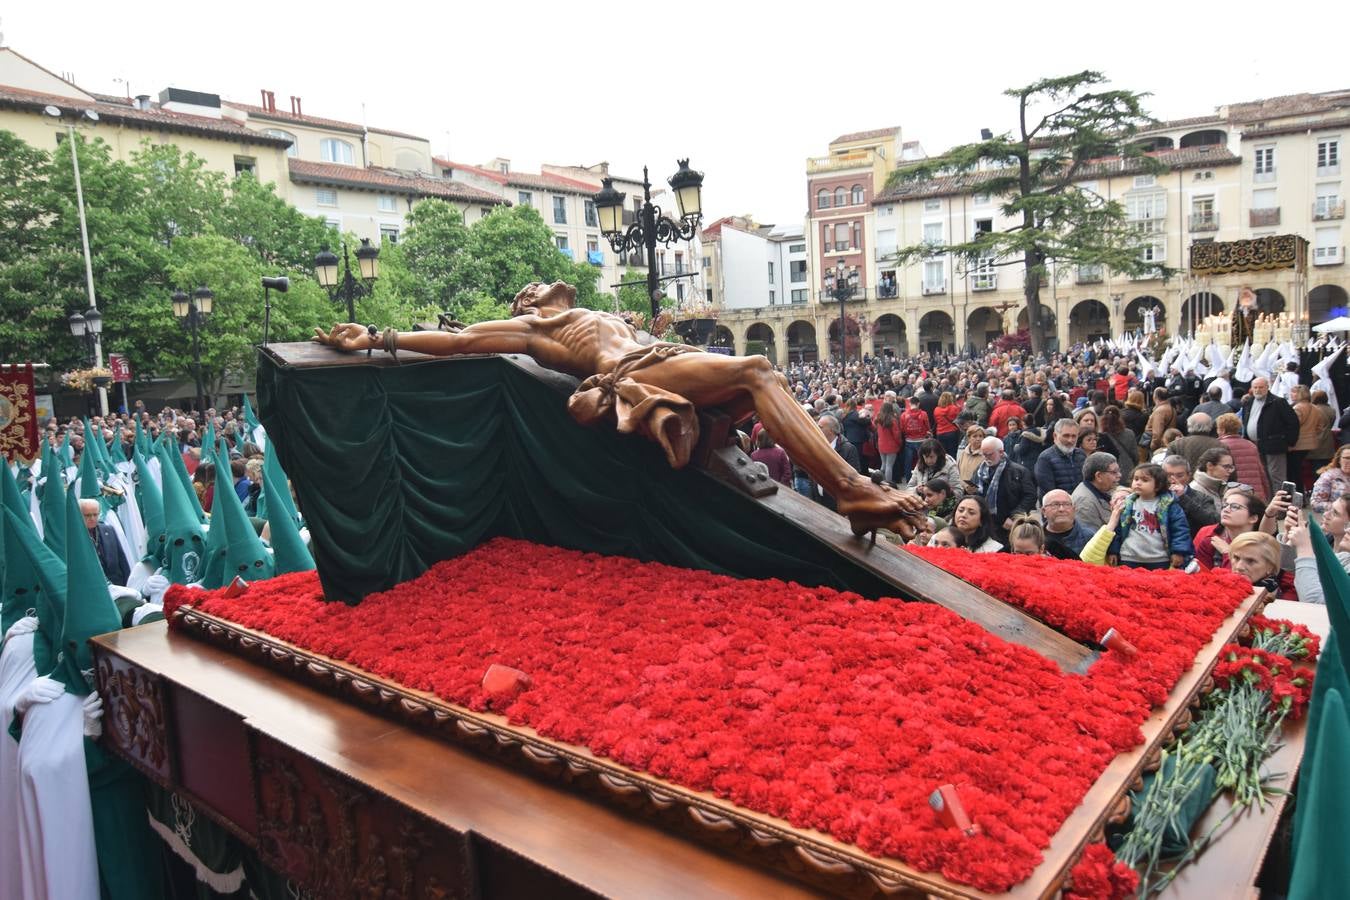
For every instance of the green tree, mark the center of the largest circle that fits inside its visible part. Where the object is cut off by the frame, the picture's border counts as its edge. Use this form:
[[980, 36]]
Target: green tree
[[511, 247], [279, 235], [27, 209], [433, 255], [1064, 125]]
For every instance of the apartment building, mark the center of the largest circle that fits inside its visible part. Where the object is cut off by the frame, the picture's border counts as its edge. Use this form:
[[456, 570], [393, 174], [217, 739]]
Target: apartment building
[[754, 269], [1248, 170], [360, 180], [563, 196]]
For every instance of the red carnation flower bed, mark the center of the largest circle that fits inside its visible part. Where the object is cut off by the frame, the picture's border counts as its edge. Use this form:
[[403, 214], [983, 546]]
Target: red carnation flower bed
[[814, 705]]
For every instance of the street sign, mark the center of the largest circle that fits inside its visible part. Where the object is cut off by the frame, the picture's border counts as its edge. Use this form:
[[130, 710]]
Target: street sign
[[120, 368]]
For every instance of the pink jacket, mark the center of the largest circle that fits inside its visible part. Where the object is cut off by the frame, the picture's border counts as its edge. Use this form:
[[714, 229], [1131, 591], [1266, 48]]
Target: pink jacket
[[1250, 469]]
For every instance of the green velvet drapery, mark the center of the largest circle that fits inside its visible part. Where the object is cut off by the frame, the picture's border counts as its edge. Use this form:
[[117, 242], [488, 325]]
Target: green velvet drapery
[[397, 468]]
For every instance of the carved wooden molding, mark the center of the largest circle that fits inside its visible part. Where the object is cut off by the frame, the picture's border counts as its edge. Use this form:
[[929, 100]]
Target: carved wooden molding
[[808, 856], [135, 720]]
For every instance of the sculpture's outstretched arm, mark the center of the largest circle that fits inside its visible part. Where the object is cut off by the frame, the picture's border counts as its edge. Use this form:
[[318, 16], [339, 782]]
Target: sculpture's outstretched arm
[[506, 336]]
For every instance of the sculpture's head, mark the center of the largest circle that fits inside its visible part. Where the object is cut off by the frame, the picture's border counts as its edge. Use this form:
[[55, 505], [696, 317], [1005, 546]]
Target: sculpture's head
[[536, 297], [1246, 297]]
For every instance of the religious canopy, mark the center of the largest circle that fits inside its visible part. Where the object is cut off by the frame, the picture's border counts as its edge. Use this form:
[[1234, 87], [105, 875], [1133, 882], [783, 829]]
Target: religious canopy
[[1280, 251]]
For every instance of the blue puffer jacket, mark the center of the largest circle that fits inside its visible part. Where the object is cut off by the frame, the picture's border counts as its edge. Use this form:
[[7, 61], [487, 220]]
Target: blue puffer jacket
[[1172, 520], [1055, 470]]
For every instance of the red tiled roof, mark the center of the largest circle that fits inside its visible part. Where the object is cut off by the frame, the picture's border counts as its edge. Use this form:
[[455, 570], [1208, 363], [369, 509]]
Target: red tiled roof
[[1264, 131], [280, 115], [865, 135], [1288, 105], [544, 181], [373, 178], [969, 182], [18, 98]]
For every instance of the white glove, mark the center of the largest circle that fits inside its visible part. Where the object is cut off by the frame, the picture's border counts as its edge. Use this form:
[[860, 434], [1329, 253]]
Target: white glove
[[41, 690], [93, 715], [155, 586], [26, 625]]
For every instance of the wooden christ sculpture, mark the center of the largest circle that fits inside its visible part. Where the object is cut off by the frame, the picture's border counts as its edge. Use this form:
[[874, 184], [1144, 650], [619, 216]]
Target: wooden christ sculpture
[[653, 389]]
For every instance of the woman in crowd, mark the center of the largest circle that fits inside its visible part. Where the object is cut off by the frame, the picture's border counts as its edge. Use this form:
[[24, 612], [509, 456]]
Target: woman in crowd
[[940, 498], [933, 462], [1241, 511], [1086, 419], [1152, 533], [1133, 413], [945, 416], [1089, 442], [1027, 537], [774, 457], [972, 520], [970, 458], [1332, 481], [1255, 556], [1246, 457], [1310, 428], [1319, 456], [1013, 438], [949, 537], [889, 443], [1115, 438]]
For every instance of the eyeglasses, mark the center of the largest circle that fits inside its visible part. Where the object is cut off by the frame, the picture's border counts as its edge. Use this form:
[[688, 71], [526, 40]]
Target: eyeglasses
[[1057, 503], [1236, 507]]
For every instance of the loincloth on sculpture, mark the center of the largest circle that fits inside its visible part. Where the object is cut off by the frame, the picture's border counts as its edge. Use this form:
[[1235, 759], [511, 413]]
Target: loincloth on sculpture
[[660, 415]]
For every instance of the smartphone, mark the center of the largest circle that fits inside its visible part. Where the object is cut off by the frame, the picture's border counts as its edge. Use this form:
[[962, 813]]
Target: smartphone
[[1289, 488]]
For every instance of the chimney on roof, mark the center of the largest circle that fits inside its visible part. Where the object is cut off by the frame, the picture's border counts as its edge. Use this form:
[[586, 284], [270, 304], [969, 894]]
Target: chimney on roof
[[295, 106], [142, 101], [269, 101]]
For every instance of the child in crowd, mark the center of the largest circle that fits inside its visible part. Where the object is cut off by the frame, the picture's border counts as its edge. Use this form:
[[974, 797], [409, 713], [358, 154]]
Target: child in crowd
[[1152, 533]]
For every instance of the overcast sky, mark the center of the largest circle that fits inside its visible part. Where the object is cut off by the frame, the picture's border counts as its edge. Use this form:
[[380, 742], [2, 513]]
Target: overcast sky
[[746, 90]]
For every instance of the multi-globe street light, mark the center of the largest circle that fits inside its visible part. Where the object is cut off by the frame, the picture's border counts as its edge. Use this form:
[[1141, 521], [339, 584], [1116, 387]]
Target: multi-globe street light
[[652, 226], [346, 288], [841, 283], [192, 311]]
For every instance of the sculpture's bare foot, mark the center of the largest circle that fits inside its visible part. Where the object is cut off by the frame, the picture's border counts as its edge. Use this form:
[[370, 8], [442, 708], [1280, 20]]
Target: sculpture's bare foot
[[871, 506]]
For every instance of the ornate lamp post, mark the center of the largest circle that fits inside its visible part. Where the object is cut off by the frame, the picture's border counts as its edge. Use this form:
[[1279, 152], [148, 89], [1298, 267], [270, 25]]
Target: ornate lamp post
[[347, 288], [652, 227], [841, 283], [192, 313]]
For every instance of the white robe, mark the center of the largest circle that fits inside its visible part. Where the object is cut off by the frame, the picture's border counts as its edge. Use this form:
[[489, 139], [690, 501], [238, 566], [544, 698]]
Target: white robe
[[16, 672], [56, 817]]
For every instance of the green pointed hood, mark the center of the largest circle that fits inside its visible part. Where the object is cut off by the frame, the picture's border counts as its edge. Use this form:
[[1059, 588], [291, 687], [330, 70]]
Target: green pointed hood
[[93, 444], [209, 439], [273, 474], [91, 479], [151, 502], [142, 441], [34, 579], [66, 454], [181, 544], [289, 551], [244, 553], [90, 609], [53, 506], [171, 463], [250, 418], [213, 569]]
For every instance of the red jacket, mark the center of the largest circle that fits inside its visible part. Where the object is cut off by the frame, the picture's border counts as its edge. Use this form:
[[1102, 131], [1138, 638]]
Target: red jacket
[[914, 424], [1006, 409], [1120, 386], [945, 416], [888, 439]]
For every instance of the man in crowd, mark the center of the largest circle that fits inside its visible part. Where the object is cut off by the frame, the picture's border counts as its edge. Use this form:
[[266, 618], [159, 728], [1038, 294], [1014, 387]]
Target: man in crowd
[[1092, 497], [1065, 537], [106, 546], [1214, 405], [1007, 488], [829, 427], [1007, 408], [1060, 466], [1272, 425], [1200, 508], [1199, 438]]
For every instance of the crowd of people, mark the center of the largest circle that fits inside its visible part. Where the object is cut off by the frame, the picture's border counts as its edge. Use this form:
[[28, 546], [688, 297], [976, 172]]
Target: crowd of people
[[1082, 455]]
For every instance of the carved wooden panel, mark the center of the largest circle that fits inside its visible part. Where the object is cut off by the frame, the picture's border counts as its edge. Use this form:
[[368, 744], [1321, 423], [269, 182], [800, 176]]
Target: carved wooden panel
[[340, 839], [134, 715]]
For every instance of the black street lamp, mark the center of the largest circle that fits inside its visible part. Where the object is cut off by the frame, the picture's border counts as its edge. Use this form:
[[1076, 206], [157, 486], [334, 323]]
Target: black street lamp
[[841, 283], [652, 227], [192, 313], [88, 326], [347, 288]]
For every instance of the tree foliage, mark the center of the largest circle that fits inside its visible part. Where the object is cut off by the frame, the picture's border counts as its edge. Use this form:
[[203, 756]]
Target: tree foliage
[[1066, 126]]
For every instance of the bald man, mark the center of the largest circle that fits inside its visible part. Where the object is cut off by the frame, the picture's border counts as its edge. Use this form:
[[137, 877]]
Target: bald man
[[106, 545], [1272, 425], [1065, 536]]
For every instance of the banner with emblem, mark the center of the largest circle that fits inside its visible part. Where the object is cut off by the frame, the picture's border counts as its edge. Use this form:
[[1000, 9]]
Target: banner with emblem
[[18, 414]]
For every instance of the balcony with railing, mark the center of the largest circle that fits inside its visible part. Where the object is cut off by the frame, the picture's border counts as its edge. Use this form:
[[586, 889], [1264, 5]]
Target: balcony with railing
[[1205, 221], [1328, 256], [1089, 275], [1328, 208], [853, 159], [983, 281], [934, 289], [1262, 218]]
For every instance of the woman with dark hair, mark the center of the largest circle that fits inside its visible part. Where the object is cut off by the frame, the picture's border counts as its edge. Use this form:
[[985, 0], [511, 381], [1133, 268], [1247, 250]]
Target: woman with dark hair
[[774, 457], [971, 518], [940, 498], [933, 462], [1241, 512], [949, 537], [1132, 413], [1118, 440], [944, 415], [889, 443]]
